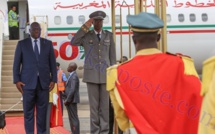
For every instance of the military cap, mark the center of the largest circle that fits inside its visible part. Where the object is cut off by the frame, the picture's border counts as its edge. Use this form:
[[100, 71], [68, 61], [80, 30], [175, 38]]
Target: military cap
[[98, 15], [145, 22]]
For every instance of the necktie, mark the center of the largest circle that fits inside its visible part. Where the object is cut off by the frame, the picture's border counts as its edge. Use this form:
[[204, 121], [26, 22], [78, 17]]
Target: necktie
[[36, 50], [98, 35]]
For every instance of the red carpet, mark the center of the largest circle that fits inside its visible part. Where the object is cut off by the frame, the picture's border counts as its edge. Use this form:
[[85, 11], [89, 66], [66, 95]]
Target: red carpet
[[15, 125]]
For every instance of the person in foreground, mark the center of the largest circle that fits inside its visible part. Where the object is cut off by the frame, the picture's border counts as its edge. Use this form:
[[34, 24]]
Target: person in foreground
[[207, 120], [161, 95], [34, 73], [99, 49], [71, 98]]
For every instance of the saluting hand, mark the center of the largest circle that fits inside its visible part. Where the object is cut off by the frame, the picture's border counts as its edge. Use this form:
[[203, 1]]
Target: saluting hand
[[51, 86], [89, 22], [19, 86]]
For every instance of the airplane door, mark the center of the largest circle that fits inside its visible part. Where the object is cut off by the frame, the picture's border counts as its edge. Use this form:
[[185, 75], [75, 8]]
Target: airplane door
[[23, 18], [23, 15], [43, 21]]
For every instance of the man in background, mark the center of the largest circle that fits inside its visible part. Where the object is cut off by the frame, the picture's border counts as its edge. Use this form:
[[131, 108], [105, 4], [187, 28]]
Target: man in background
[[123, 59], [13, 24], [61, 83], [56, 113], [71, 98]]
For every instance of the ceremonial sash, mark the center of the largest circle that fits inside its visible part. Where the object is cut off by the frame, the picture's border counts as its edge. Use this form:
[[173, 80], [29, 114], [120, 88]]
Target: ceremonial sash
[[159, 95]]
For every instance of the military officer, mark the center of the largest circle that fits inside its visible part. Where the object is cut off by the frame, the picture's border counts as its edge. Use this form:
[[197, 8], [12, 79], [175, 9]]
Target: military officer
[[157, 93], [100, 53]]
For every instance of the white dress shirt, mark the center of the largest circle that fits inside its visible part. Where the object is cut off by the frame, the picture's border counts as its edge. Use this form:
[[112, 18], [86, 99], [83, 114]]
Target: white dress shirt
[[99, 33], [70, 74], [38, 43]]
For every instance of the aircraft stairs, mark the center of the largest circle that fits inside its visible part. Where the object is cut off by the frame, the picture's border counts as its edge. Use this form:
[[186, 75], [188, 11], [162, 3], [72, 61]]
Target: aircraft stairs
[[9, 95]]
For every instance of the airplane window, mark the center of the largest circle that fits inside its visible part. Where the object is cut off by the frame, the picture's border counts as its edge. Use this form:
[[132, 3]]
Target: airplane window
[[69, 20], [57, 20], [106, 19], [168, 17], [181, 17], [192, 17], [81, 19], [204, 17], [117, 18]]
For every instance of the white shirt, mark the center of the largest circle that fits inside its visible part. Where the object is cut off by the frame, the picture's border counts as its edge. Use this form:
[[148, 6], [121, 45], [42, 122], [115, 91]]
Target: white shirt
[[99, 33], [70, 74], [38, 43]]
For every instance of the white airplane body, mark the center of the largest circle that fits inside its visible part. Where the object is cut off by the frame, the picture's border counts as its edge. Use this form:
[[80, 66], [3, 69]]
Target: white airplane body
[[190, 26]]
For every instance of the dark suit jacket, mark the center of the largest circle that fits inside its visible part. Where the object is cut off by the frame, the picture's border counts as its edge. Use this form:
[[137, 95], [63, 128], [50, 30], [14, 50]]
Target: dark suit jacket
[[71, 93], [26, 66]]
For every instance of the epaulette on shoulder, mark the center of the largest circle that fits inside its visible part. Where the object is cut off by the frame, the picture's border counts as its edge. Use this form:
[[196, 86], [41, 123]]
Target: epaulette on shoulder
[[108, 31], [178, 54], [207, 74], [189, 68], [210, 60], [182, 55], [171, 54]]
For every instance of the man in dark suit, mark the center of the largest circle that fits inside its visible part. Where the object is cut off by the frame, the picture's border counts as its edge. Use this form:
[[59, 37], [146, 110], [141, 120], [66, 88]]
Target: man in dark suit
[[71, 98], [34, 73], [100, 53]]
